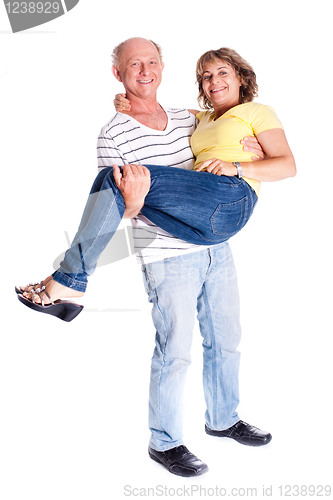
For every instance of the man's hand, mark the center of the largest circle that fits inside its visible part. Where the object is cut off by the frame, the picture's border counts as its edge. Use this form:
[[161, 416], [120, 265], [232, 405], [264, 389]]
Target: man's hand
[[251, 144], [134, 184]]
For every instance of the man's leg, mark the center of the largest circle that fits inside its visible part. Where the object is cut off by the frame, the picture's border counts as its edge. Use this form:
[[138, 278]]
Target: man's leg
[[218, 314], [172, 287]]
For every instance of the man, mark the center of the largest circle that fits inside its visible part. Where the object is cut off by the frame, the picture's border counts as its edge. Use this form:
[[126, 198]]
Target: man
[[180, 278]]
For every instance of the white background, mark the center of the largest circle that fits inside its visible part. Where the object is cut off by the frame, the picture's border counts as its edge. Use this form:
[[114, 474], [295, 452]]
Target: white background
[[73, 418]]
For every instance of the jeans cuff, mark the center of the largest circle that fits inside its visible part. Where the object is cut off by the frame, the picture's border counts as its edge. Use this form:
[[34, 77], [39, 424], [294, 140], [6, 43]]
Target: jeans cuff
[[225, 425], [70, 281], [166, 447]]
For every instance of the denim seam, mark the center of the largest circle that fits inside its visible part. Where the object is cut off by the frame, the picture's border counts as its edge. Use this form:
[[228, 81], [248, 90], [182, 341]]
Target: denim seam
[[84, 255], [106, 220], [162, 364], [214, 361], [150, 281]]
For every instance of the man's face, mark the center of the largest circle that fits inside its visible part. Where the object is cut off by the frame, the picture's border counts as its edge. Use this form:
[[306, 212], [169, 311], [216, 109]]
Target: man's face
[[140, 69]]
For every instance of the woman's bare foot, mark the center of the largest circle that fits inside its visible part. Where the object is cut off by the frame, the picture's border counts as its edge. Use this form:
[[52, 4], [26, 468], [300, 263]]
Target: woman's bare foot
[[55, 291]]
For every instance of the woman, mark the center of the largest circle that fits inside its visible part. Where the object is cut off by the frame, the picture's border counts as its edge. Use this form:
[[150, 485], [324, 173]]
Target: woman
[[196, 207]]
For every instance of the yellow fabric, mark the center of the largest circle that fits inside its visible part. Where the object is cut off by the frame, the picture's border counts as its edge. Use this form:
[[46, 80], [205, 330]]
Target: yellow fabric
[[221, 138]]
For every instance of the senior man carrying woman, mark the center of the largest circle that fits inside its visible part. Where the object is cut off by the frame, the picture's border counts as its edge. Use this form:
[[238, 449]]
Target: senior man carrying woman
[[191, 212]]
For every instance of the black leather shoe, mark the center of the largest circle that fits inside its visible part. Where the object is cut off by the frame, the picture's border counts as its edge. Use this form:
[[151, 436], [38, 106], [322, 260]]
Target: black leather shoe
[[179, 461], [243, 433]]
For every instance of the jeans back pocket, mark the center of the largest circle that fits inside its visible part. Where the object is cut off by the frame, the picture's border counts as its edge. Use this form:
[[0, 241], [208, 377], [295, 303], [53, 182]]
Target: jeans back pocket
[[229, 218]]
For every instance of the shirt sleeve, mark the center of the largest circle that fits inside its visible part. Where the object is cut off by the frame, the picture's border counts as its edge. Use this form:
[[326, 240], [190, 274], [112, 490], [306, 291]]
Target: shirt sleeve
[[108, 153], [265, 118]]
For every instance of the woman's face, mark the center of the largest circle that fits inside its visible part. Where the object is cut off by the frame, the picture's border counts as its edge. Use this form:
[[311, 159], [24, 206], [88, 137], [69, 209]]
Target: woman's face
[[221, 84]]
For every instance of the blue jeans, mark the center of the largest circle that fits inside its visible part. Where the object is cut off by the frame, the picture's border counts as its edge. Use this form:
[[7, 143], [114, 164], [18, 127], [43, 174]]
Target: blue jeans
[[204, 281], [197, 207]]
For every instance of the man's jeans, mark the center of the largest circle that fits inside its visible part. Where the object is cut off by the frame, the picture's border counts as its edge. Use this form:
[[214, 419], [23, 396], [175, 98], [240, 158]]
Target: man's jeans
[[204, 281], [198, 207]]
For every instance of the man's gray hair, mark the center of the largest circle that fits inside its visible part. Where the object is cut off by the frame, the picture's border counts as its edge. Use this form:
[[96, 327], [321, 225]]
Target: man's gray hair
[[117, 52]]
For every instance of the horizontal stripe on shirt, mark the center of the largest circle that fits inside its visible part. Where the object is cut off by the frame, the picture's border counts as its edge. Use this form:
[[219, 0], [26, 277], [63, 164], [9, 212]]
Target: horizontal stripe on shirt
[[123, 140]]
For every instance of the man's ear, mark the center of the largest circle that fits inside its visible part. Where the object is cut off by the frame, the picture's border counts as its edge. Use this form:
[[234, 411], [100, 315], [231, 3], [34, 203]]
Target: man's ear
[[116, 73]]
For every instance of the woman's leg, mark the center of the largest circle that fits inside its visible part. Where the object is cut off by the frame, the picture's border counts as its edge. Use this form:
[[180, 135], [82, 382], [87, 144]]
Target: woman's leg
[[197, 207], [101, 217], [102, 214]]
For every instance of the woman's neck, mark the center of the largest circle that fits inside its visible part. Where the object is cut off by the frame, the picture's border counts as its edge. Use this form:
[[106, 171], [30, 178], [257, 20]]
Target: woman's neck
[[220, 110]]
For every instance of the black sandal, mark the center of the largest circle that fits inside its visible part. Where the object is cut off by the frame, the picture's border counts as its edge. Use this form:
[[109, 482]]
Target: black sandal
[[62, 309]]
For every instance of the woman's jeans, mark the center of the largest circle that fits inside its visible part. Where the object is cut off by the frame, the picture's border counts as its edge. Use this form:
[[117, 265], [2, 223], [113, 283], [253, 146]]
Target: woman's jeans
[[198, 207], [204, 282]]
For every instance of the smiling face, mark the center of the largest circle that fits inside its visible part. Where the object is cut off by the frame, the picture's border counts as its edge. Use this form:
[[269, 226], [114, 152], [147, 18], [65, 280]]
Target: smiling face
[[139, 69], [221, 85]]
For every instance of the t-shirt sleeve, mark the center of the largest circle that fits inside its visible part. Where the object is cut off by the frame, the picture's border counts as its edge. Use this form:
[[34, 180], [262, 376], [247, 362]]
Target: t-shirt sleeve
[[108, 153], [265, 118]]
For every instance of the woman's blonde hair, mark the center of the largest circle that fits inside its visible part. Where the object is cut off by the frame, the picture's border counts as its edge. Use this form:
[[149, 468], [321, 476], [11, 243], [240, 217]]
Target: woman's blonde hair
[[248, 89]]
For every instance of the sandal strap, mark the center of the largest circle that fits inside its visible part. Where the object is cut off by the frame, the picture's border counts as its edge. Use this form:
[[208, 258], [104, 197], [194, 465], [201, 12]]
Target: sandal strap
[[47, 295], [32, 292], [26, 290], [39, 292]]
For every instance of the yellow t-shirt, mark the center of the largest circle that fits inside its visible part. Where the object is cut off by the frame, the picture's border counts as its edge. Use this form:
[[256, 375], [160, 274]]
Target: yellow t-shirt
[[221, 138]]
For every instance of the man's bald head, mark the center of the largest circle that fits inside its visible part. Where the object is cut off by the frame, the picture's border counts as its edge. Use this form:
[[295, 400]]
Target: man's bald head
[[132, 43]]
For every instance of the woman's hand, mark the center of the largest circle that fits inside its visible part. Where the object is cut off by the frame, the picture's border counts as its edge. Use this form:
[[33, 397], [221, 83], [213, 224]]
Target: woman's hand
[[251, 144], [278, 163], [122, 104], [218, 167]]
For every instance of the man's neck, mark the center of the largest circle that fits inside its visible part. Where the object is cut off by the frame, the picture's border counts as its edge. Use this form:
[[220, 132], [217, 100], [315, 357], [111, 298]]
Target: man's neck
[[148, 112], [142, 106]]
